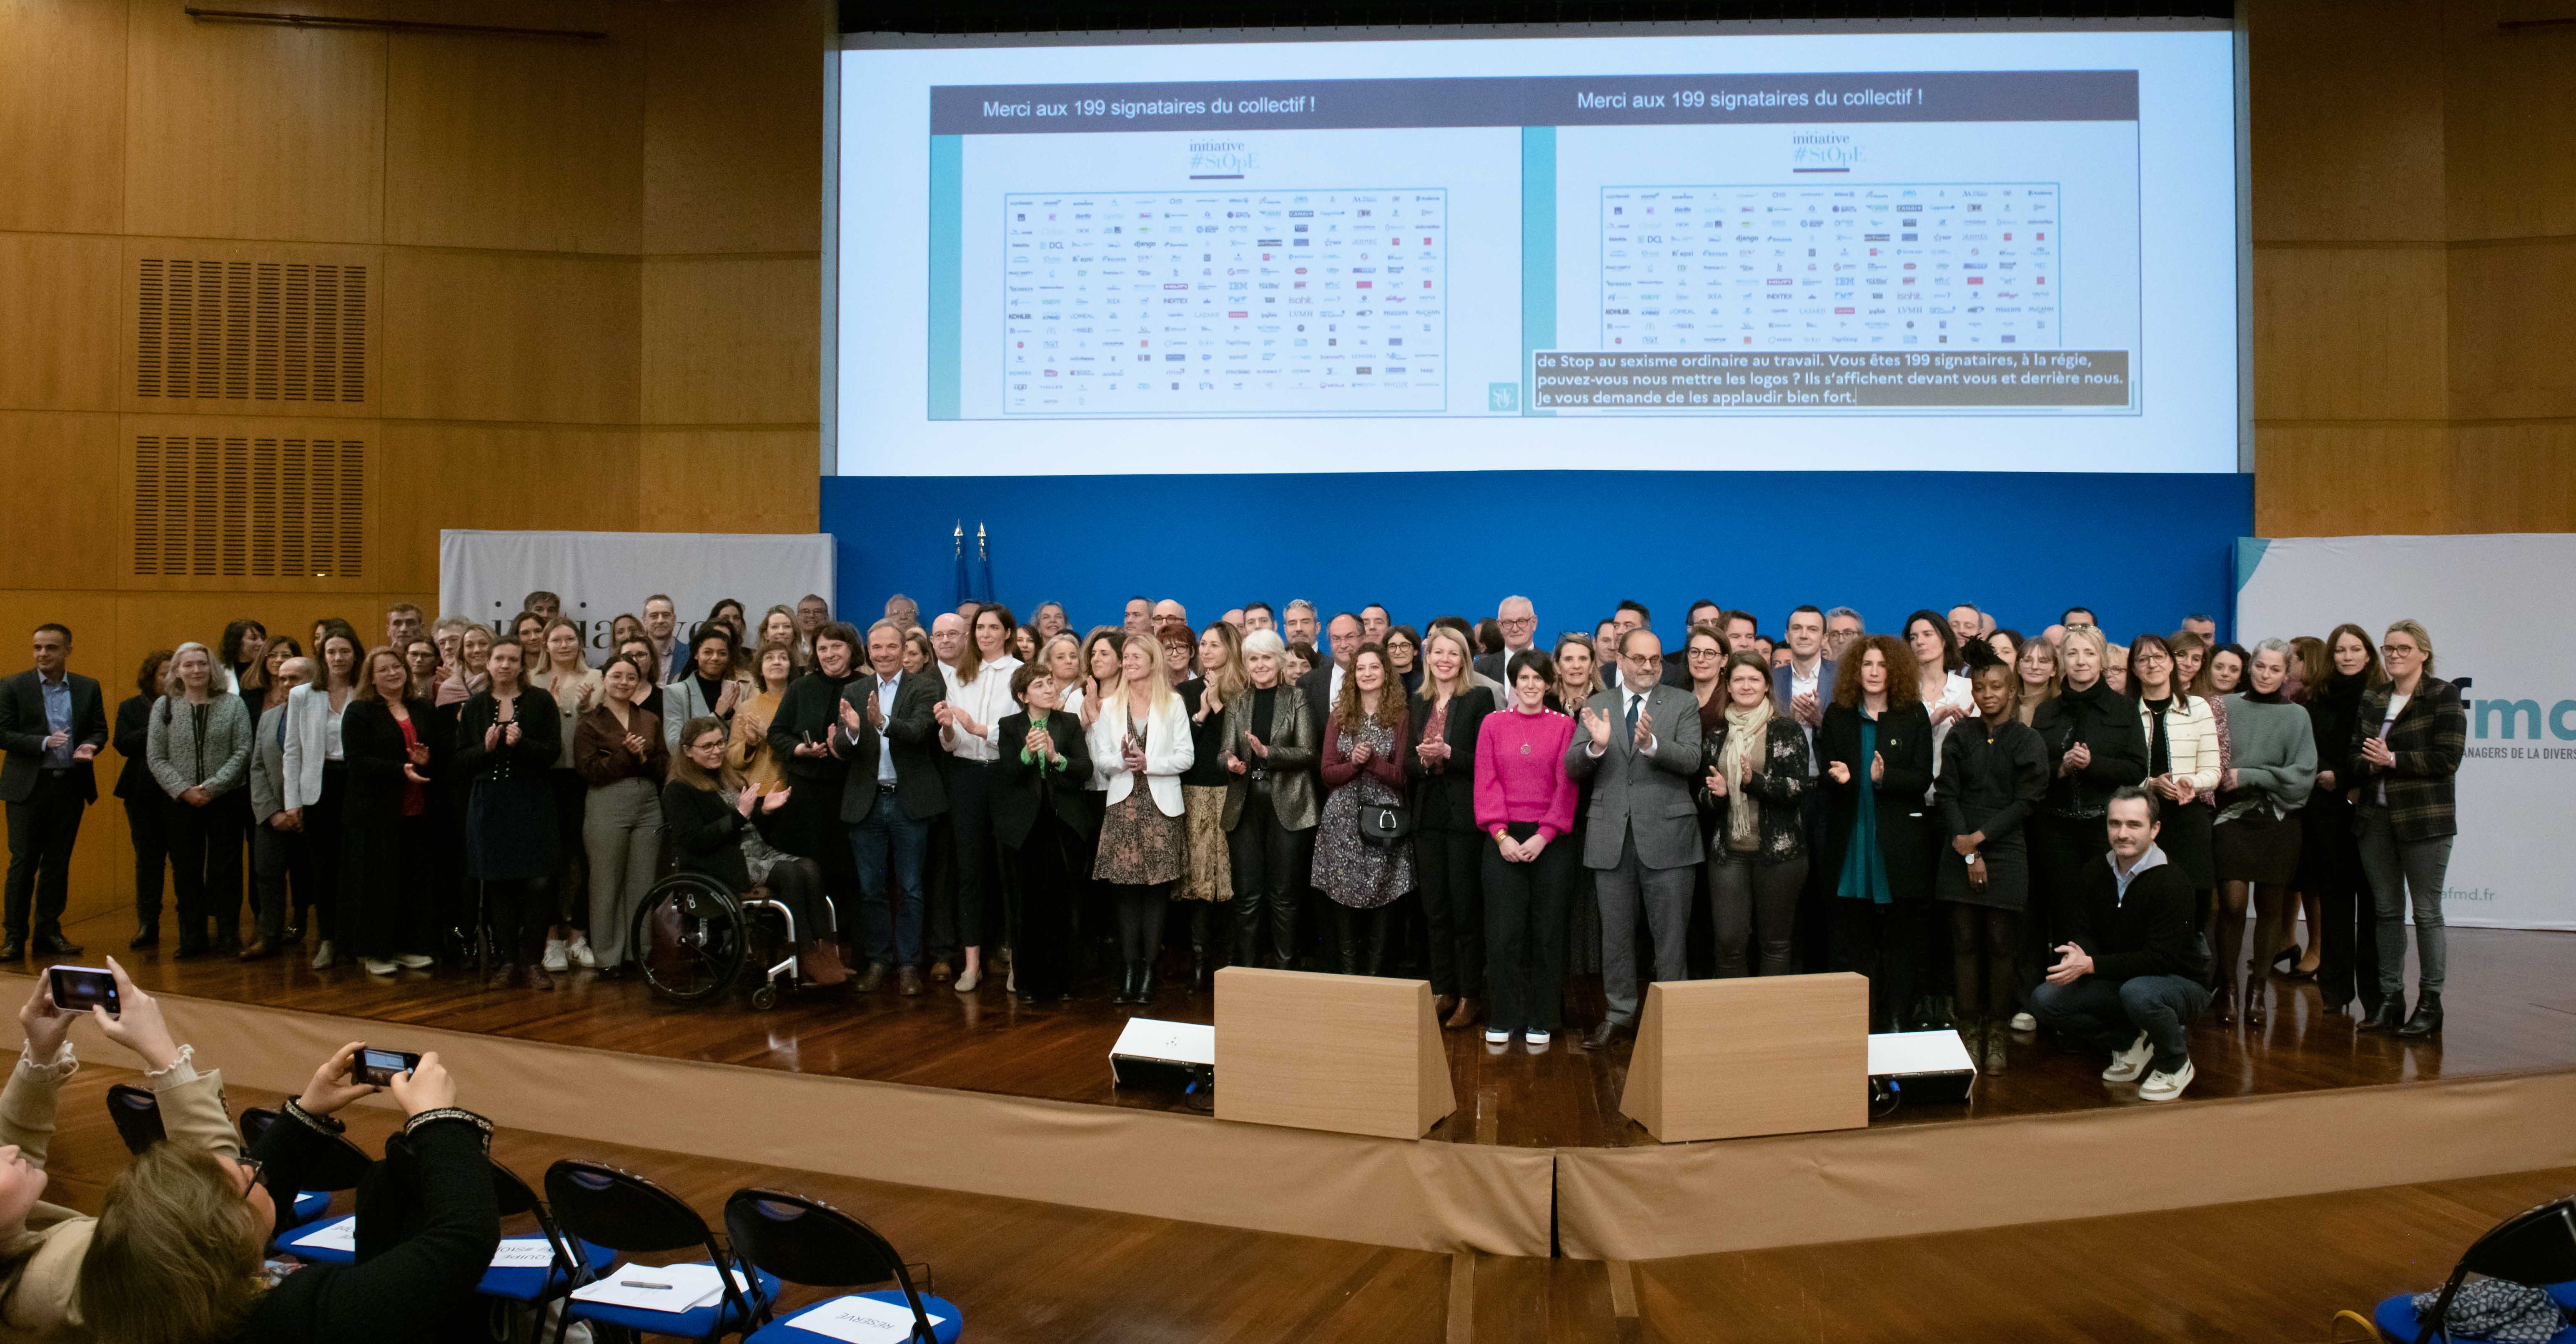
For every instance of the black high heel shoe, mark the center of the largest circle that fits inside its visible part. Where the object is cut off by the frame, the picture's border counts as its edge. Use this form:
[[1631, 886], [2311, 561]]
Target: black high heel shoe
[[2427, 1020], [2391, 1015]]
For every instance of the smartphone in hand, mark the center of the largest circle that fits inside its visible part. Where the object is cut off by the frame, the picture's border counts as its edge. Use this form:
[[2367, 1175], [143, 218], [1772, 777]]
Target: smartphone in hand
[[78, 988], [378, 1068]]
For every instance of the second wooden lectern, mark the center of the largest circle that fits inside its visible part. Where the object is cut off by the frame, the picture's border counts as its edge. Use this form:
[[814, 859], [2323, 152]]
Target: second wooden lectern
[[1729, 1059], [1351, 1053]]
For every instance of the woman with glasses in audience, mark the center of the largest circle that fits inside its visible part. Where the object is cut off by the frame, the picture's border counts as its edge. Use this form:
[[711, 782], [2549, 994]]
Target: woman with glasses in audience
[[1525, 804], [198, 742], [147, 815], [317, 780], [1267, 747], [1754, 780], [1404, 655], [387, 913], [2272, 770], [1448, 848], [718, 824], [1040, 819], [1208, 878], [620, 750], [1876, 742], [2329, 852], [2183, 769], [1993, 773], [506, 745], [1365, 746], [1139, 740]]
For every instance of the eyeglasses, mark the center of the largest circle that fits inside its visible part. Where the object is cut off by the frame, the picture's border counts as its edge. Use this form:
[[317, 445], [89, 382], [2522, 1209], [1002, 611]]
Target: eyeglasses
[[1515, 622], [253, 1167], [2398, 651], [1704, 652]]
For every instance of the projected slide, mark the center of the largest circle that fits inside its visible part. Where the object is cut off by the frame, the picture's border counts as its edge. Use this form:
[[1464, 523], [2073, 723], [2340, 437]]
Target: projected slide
[[1844, 268]]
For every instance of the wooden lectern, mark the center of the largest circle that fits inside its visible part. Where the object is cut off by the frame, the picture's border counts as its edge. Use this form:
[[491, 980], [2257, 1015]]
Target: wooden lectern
[[1352, 1053], [1728, 1059]]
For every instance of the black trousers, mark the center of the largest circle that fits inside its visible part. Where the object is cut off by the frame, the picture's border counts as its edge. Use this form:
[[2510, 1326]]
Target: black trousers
[[42, 830], [959, 922], [1043, 871], [572, 855], [1525, 931], [1270, 863], [1885, 943], [2060, 847], [148, 829], [1983, 942], [322, 827], [1449, 869], [383, 919], [206, 867], [1140, 919], [2348, 944], [518, 912]]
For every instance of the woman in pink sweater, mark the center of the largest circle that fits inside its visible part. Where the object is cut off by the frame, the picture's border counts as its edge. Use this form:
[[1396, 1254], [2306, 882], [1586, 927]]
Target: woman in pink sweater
[[1525, 804]]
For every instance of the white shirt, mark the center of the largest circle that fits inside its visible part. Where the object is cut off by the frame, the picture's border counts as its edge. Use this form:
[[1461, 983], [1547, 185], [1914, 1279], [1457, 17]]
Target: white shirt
[[986, 700], [1809, 682], [2396, 706], [331, 733], [886, 687], [1630, 699]]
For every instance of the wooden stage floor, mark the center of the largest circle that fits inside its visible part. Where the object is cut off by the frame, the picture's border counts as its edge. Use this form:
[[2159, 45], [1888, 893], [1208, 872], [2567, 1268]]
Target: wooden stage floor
[[2511, 1002]]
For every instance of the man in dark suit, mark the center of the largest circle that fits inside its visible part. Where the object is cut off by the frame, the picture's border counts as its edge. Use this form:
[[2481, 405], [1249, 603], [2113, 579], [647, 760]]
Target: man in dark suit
[[1323, 683], [1799, 690], [1519, 622], [890, 736], [52, 723], [1640, 744]]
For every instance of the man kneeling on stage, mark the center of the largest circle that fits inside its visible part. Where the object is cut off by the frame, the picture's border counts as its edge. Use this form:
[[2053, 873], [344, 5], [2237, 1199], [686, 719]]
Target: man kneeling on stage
[[2133, 971]]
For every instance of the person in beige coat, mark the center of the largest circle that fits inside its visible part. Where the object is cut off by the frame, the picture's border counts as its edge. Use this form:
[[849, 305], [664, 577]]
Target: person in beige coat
[[42, 1245]]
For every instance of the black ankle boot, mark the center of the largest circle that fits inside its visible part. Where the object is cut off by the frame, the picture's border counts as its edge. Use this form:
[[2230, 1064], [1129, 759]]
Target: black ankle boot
[[1126, 984], [1144, 983], [2391, 1015], [2427, 1020], [1201, 967]]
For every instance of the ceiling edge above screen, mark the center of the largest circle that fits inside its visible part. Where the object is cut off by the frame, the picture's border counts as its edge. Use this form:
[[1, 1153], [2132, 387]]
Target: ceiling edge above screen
[[1895, 247]]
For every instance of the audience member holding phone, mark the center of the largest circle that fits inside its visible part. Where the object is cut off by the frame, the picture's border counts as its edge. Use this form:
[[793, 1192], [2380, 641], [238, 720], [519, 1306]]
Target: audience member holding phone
[[179, 1255], [42, 1245]]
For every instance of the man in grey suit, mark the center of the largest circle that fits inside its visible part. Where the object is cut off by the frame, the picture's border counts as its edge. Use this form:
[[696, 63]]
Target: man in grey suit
[[1642, 743]]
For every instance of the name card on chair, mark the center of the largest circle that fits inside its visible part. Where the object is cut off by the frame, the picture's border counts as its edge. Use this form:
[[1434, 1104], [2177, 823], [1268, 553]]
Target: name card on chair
[[1729, 1059], [1356, 1054]]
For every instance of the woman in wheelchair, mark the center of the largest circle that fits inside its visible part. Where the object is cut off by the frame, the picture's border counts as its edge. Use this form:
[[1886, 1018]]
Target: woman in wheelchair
[[705, 808]]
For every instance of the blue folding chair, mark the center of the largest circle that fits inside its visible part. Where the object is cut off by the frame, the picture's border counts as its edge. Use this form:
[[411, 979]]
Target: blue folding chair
[[625, 1213], [808, 1242], [2537, 1247], [305, 1209], [575, 1262], [137, 1114]]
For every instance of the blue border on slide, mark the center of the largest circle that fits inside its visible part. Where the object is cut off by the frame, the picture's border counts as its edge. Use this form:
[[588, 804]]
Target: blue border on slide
[[1538, 257], [947, 264], [2140, 549]]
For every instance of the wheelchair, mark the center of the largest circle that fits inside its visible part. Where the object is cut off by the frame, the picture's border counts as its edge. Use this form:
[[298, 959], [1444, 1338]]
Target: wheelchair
[[695, 938]]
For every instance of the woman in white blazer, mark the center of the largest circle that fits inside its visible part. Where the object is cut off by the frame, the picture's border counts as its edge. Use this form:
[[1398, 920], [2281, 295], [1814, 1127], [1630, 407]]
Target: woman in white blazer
[[1140, 728], [316, 783], [2184, 760]]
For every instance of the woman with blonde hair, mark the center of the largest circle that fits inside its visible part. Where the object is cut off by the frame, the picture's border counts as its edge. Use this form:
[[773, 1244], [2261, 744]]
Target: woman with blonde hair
[[1578, 678], [1269, 755], [1140, 745], [576, 689], [1448, 848], [2257, 835], [1208, 878], [199, 744]]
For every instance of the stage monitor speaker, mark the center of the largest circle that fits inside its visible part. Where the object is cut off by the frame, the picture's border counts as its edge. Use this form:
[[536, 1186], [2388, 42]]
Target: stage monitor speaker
[[1928, 1068], [1356, 1054], [1729, 1059], [1152, 1053]]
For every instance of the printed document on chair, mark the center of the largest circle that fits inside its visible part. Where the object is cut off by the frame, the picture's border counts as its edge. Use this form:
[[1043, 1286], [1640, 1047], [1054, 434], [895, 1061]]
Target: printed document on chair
[[861, 1320]]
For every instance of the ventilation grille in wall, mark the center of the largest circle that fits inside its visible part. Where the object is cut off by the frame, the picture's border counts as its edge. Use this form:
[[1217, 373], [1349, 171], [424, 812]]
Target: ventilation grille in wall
[[285, 331], [249, 506]]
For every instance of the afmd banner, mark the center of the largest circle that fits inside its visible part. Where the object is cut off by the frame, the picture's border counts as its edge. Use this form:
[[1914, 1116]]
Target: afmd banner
[[2502, 613], [483, 576]]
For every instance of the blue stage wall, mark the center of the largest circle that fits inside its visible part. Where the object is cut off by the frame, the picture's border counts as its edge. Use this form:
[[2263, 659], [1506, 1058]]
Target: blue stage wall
[[2141, 550]]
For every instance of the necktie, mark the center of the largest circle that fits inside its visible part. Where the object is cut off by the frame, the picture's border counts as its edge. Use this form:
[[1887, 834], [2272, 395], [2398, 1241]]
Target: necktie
[[1633, 702]]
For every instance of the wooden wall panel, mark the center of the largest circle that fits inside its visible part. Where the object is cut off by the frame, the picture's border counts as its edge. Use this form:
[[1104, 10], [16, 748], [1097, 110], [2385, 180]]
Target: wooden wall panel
[[534, 145], [254, 130], [2338, 481], [2349, 333], [62, 472], [730, 341], [511, 337], [2514, 478], [2329, 164], [62, 115], [439, 476], [733, 148], [728, 480], [2513, 348], [58, 344], [2510, 124]]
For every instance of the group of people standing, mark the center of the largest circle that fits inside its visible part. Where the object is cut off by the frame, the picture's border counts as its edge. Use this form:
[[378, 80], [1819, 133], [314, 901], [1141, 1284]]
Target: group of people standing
[[1348, 794]]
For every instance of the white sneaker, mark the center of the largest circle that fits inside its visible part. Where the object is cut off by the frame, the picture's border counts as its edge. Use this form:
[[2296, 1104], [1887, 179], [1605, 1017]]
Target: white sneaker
[[579, 950], [414, 961], [1011, 980], [2129, 1063], [1536, 1040], [554, 958], [966, 983], [323, 956], [1497, 1036], [2163, 1086], [2024, 1022], [380, 966]]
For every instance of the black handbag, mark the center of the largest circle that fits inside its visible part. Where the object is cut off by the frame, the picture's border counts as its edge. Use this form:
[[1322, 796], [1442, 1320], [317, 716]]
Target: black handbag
[[1384, 823]]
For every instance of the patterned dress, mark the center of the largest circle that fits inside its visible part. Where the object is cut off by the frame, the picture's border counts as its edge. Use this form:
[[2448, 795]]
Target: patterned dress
[[1354, 872], [1139, 846]]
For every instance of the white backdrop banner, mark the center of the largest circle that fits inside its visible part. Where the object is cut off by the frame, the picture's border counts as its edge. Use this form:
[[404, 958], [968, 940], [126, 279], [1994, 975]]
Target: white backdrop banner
[[2502, 614], [482, 576]]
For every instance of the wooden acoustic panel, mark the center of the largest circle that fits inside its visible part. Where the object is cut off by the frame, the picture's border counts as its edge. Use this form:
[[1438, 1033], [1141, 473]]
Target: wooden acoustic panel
[[62, 116], [1356, 1054], [1729, 1059], [58, 348], [262, 329]]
